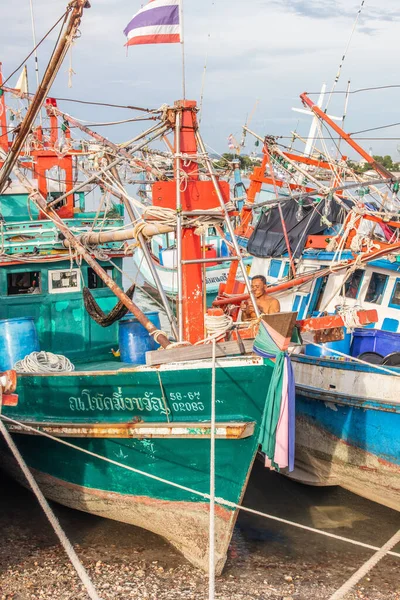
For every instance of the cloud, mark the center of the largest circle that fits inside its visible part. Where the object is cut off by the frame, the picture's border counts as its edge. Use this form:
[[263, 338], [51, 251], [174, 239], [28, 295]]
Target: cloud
[[315, 9], [331, 9]]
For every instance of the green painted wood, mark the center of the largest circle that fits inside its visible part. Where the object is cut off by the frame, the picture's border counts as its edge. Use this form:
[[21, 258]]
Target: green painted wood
[[126, 396], [63, 325]]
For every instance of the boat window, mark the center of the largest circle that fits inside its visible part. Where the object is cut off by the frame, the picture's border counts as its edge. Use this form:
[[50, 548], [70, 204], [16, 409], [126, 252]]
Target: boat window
[[28, 282], [376, 288], [63, 281], [94, 281], [395, 299], [353, 284], [285, 270], [274, 268]]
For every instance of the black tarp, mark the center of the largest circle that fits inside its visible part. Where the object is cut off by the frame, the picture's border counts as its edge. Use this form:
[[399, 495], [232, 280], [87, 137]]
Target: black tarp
[[267, 238]]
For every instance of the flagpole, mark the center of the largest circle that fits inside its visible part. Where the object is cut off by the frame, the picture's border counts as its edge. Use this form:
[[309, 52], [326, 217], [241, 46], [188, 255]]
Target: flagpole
[[35, 55], [182, 47]]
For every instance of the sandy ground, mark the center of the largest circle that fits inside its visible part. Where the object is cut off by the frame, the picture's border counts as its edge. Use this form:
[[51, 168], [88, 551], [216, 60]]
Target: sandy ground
[[266, 559]]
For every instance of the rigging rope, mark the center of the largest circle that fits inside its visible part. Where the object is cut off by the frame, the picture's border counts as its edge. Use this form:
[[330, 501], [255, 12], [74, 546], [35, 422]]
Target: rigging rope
[[344, 54]]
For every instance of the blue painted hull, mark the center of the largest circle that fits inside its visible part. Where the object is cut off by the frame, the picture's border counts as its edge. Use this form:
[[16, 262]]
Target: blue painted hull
[[344, 439]]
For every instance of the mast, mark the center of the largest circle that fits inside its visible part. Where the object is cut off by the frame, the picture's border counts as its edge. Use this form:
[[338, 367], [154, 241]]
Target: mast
[[75, 9]]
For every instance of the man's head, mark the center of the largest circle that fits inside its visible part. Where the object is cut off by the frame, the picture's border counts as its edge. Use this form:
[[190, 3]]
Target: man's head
[[258, 284]]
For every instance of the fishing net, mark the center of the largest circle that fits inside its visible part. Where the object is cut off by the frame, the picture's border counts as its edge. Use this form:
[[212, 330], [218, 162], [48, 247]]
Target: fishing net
[[98, 315]]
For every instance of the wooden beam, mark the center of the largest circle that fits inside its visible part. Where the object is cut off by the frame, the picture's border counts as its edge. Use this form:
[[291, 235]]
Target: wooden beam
[[156, 357]]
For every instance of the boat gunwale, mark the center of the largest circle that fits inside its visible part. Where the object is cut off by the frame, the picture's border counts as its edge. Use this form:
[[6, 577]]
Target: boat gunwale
[[221, 363]]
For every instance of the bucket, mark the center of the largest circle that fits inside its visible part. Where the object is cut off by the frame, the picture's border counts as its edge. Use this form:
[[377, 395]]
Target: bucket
[[340, 346], [18, 338], [135, 340]]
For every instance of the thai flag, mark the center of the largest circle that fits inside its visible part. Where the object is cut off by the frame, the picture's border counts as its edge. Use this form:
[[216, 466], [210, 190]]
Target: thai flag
[[156, 23]]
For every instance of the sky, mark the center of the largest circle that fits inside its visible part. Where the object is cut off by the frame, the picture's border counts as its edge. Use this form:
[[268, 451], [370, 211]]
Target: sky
[[265, 50]]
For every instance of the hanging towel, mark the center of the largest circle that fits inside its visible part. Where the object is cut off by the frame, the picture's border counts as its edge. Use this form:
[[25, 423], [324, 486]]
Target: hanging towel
[[277, 430]]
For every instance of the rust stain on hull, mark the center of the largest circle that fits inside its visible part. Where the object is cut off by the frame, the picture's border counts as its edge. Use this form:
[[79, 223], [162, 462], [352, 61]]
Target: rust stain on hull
[[232, 430], [184, 524]]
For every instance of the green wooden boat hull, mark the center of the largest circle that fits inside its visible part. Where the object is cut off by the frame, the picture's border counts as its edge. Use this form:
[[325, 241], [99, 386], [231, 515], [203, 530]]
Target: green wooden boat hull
[[155, 420]]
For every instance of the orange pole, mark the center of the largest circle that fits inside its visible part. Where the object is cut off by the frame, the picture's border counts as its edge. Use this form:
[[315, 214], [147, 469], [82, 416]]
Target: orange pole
[[271, 170], [347, 138]]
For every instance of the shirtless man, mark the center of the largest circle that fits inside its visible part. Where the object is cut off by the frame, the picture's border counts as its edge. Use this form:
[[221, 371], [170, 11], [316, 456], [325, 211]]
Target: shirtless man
[[266, 304]]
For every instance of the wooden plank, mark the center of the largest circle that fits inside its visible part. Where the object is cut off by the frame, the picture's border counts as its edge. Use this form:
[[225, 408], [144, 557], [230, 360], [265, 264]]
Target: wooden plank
[[316, 323], [162, 357], [225, 430]]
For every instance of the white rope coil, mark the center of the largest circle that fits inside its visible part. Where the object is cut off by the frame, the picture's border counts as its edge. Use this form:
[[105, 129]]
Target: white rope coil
[[217, 325], [44, 362], [164, 219]]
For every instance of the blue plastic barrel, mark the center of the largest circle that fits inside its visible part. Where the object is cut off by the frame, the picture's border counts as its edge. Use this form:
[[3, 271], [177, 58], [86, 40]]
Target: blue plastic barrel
[[375, 340], [134, 339], [18, 338], [340, 346]]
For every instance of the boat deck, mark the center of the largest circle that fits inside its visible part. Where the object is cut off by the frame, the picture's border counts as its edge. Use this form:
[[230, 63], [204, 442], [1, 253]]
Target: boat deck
[[104, 365]]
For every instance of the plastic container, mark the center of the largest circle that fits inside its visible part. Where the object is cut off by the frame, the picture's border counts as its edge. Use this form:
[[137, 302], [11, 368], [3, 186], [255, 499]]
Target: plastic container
[[135, 340], [374, 340], [340, 346], [18, 338]]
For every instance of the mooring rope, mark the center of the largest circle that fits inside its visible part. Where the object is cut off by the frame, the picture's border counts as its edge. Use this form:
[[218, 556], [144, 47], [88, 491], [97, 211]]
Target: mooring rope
[[357, 360], [66, 544], [365, 568], [219, 500]]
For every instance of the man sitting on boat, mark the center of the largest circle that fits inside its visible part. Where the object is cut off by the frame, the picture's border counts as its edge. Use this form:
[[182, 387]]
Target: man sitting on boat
[[266, 303]]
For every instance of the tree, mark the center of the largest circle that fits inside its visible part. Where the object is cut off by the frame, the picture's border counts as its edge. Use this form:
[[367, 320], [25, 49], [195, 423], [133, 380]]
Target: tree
[[245, 161]]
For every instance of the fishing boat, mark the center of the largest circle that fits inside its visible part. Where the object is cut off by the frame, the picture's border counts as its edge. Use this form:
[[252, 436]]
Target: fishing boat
[[129, 437], [327, 252]]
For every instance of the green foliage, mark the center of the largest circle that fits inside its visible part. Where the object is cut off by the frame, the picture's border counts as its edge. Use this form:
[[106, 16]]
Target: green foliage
[[386, 161], [246, 163]]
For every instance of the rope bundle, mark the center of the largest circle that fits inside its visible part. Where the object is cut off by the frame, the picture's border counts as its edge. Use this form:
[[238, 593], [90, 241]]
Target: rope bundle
[[162, 218], [217, 325], [350, 316], [44, 362]]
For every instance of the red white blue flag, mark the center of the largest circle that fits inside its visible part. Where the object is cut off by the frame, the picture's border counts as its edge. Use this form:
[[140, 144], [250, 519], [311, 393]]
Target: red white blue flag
[[156, 23]]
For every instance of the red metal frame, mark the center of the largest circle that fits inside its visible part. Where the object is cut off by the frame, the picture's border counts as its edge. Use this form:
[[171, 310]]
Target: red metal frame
[[195, 194]]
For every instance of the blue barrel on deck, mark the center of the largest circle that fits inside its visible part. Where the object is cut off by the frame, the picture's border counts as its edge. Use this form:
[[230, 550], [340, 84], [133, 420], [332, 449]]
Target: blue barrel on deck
[[339, 345], [375, 340], [134, 339], [18, 338]]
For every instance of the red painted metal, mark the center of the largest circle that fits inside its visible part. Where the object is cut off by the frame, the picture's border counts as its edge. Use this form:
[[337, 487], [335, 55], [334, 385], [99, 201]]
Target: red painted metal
[[195, 195], [9, 399], [198, 195], [366, 317], [317, 241], [320, 113]]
